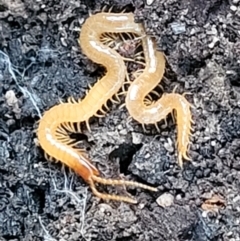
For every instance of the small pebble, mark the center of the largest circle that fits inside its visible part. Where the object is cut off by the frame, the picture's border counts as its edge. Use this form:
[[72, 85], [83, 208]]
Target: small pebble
[[178, 28], [165, 200], [137, 138], [214, 41], [11, 98], [168, 146], [233, 8], [149, 2]]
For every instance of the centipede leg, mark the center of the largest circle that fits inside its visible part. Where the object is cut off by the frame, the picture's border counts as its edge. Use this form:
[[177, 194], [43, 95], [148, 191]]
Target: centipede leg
[[60, 101], [115, 182], [70, 127], [173, 114], [165, 123], [103, 112], [114, 101], [160, 86], [156, 93], [99, 115], [103, 8], [156, 125], [144, 129], [117, 97], [123, 11], [105, 105], [78, 127], [129, 119], [175, 88], [110, 9], [122, 105], [108, 196], [88, 126]]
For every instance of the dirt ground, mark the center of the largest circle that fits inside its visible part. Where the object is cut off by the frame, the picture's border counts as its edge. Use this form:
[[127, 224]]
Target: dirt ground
[[42, 62]]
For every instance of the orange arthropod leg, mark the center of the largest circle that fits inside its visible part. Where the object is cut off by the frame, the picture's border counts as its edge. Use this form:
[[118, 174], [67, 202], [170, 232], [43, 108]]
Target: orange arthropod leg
[[153, 113], [54, 126]]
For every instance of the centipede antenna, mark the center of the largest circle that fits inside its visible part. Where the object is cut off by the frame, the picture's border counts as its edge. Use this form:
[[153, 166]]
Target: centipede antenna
[[108, 196], [114, 182]]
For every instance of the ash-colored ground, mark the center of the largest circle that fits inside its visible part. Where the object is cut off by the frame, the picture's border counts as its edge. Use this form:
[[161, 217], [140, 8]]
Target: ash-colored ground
[[41, 62]]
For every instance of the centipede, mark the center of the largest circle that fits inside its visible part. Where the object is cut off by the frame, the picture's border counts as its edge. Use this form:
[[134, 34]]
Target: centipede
[[67, 117]]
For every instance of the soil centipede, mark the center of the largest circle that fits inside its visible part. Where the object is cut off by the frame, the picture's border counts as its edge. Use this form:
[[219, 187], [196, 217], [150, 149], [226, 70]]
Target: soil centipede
[[56, 122]]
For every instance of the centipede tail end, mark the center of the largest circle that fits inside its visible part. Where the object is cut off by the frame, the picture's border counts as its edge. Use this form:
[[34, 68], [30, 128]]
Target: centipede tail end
[[115, 182], [108, 196]]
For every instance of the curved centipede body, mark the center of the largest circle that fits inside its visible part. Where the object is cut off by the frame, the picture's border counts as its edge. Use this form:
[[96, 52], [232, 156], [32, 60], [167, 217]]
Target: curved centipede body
[[156, 111], [54, 126]]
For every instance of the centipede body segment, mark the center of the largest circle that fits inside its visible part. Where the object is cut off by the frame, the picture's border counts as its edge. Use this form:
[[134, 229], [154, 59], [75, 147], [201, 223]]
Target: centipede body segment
[[157, 111]]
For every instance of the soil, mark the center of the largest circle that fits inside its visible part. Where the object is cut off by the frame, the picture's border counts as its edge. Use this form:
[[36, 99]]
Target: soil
[[42, 62]]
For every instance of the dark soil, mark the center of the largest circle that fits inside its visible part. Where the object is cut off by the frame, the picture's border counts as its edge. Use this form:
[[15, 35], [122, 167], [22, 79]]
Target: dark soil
[[41, 62]]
